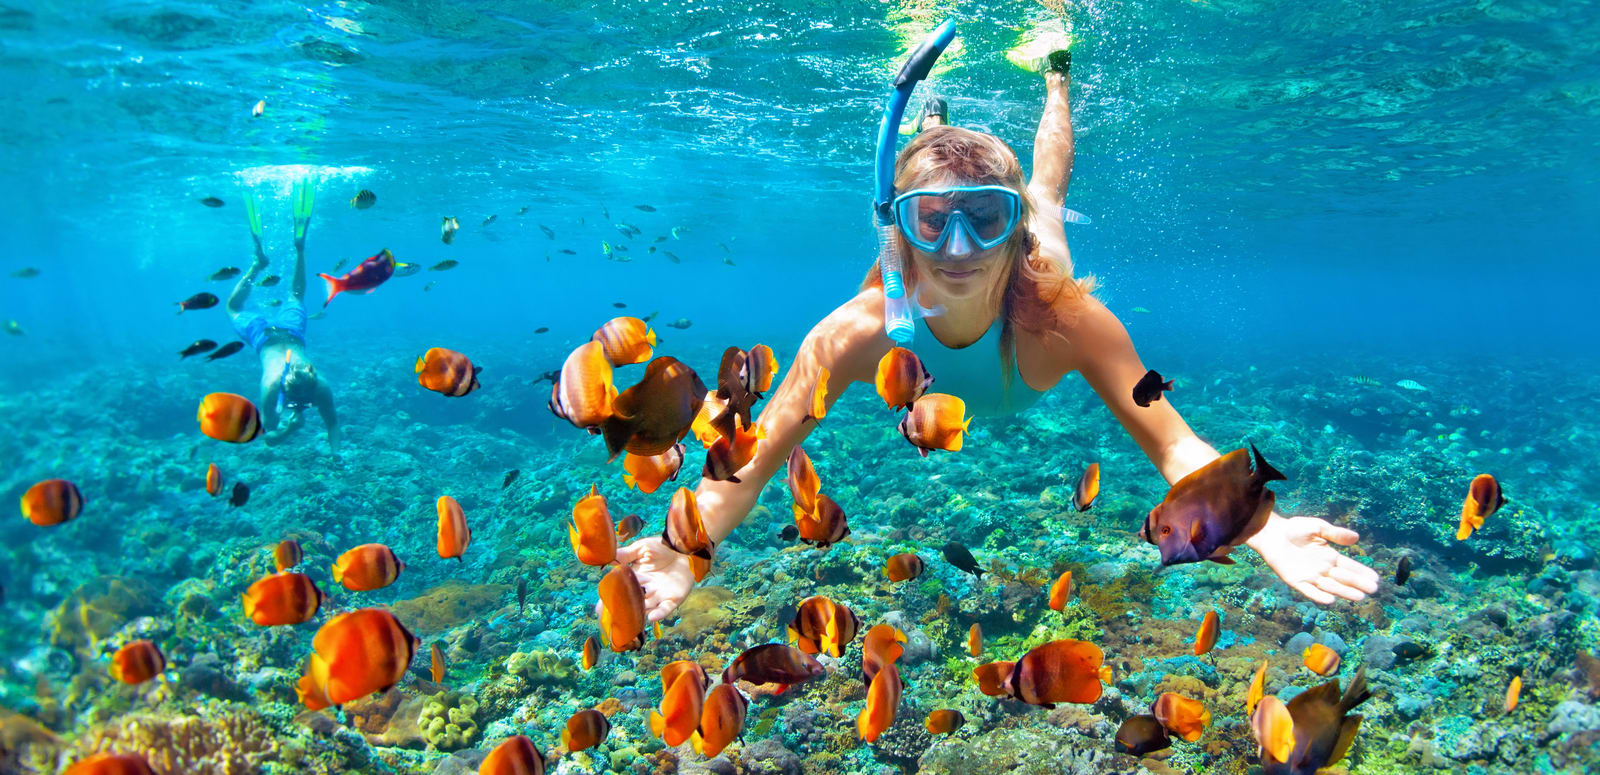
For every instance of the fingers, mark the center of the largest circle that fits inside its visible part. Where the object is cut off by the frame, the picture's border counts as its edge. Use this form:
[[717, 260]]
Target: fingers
[[1354, 574], [628, 555], [1313, 593], [1342, 536], [1335, 587]]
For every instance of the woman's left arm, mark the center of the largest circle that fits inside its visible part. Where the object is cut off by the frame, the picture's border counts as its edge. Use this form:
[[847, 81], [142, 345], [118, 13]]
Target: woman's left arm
[[1299, 549]]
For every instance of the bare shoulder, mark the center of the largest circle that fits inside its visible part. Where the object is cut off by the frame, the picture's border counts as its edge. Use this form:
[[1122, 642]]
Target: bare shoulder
[[1089, 335], [851, 337]]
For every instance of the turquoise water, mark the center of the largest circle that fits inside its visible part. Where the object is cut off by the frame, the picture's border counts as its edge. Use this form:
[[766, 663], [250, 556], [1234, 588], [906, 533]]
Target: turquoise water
[[1311, 204]]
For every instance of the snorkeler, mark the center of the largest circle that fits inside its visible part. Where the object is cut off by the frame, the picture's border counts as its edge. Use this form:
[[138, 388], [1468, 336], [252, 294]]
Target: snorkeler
[[991, 250], [289, 380]]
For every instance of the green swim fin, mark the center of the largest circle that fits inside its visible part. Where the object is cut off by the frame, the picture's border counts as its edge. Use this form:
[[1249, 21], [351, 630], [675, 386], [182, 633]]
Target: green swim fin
[[1041, 50], [304, 194], [252, 213]]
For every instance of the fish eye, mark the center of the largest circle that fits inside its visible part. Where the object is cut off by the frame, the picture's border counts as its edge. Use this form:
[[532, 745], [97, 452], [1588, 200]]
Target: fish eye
[[1166, 530]]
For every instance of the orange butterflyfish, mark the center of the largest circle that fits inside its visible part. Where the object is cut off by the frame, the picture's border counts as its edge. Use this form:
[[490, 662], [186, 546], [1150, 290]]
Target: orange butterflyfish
[[945, 721], [1258, 689], [883, 699], [582, 395], [904, 566], [213, 479], [359, 653], [591, 652], [516, 755], [879, 647], [437, 666], [1321, 659], [681, 667], [992, 677], [1273, 728], [686, 532], [1061, 591], [700, 567], [1059, 671], [679, 714], [727, 457], [282, 599], [1182, 716], [901, 378], [760, 368], [626, 340], [804, 484], [821, 626], [1088, 488], [1206, 637], [721, 720], [112, 764], [447, 372], [622, 615], [818, 406], [137, 662], [287, 554], [935, 422], [367, 567], [1513, 692], [585, 729], [710, 408], [229, 417], [975, 640], [454, 535], [52, 502], [823, 527], [591, 531], [1483, 499], [649, 472], [628, 527]]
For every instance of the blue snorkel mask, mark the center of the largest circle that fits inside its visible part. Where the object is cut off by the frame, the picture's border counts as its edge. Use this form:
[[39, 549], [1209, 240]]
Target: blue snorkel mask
[[898, 320]]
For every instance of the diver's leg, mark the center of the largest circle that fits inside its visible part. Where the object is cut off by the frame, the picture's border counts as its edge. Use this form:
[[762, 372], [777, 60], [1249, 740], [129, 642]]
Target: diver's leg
[[241, 290], [1052, 146], [303, 196]]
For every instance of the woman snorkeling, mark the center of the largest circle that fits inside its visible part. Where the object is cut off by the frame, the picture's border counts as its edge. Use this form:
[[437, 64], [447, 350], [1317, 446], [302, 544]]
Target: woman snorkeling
[[289, 380], [990, 249]]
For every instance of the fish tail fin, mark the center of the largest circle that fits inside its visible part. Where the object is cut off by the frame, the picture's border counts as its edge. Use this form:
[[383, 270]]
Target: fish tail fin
[[249, 605], [1264, 470], [698, 742], [628, 479], [650, 336], [658, 724], [334, 286], [338, 574], [421, 364]]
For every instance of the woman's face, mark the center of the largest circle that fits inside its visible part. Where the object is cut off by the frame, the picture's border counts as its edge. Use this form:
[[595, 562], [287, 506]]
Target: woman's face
[[960, 269]]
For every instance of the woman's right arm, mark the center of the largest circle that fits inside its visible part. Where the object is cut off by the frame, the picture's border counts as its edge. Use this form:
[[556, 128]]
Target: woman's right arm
[[848, 343]]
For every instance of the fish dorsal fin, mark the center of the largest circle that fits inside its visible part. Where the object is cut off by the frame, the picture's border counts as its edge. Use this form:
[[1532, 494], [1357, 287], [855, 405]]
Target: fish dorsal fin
[[1354, 694], [1264, 472]]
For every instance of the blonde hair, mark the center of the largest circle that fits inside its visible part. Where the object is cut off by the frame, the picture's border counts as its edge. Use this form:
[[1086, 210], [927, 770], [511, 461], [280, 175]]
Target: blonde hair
[[1040, 294]]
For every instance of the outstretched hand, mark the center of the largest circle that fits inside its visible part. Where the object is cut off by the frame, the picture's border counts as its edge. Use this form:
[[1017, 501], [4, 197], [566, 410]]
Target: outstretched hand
[[664, 574], [1300, 551]]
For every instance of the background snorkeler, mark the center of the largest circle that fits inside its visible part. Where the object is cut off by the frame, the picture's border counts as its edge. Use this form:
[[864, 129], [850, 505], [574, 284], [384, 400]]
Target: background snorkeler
[[983, 270], [288, 376]]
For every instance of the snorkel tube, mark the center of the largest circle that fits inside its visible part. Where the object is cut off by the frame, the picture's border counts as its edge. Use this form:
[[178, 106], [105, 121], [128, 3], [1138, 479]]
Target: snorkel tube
[[897, 317]]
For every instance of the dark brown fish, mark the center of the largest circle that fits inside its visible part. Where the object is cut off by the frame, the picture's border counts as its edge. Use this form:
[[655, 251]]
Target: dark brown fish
[[1149, 388], [1402, 572], [212, 201], [541, 330], [199, 346], [522, 595], [1140, 735], [731, 389], [957, 555], [226, 350], [241, 494], [1323, 726], [198, 301], [657, 412], [1213, 509], [225, 273], [773, 663], [511, 476], [269, 281]]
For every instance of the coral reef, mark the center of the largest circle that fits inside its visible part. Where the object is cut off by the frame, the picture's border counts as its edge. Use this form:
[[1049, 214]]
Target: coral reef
[[448, 721]]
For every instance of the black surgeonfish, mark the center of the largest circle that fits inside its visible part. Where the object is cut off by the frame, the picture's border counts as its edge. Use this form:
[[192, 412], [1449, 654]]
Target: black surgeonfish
[[1213, 509], [957, 555]]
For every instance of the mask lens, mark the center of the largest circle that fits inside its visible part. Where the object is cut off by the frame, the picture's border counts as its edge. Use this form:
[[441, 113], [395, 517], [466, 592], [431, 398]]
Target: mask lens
[[988, 212], [931, 214]]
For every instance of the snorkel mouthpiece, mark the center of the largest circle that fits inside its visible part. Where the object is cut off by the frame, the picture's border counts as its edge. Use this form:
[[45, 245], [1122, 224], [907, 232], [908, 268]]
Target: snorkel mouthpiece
[[898, 322]]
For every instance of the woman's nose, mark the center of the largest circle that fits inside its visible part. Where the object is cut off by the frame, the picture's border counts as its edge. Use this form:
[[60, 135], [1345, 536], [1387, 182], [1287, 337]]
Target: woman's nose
[[958, 246]]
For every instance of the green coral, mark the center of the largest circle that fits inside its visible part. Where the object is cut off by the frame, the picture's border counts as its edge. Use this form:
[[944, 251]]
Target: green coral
[[447, 721]]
